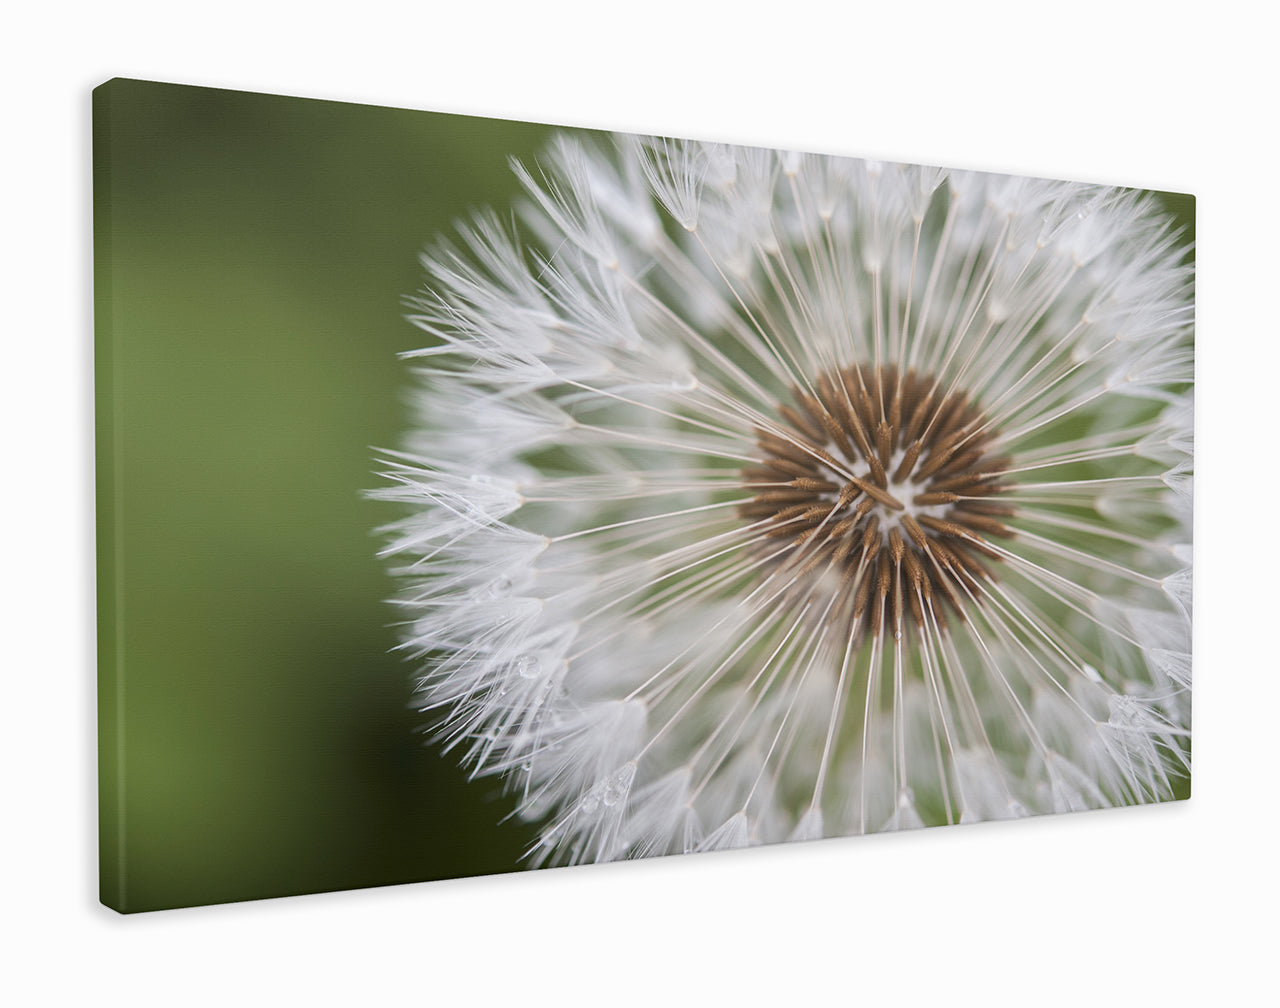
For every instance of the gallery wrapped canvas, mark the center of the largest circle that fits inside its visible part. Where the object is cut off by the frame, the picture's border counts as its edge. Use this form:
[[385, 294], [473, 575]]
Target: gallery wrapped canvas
[[477, 496]]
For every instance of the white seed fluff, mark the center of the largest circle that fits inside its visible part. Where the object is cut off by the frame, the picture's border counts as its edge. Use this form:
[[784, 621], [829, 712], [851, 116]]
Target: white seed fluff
[[602, 622]]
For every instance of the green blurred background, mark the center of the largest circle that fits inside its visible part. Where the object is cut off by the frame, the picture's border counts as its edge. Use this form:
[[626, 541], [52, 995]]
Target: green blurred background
[[251, 254]]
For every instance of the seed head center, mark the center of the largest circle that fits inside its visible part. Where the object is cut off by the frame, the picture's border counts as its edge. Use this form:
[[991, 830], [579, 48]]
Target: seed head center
[[886, 487]]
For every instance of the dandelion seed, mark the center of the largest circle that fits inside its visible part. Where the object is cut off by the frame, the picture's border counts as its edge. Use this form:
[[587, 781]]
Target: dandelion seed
[[774, 496]]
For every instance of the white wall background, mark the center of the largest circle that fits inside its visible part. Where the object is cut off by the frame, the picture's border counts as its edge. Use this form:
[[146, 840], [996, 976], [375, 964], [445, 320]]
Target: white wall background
[[1170, 905]]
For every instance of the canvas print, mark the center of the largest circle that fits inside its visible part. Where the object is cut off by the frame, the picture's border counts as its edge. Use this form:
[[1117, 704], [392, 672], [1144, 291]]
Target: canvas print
[[682, 497]]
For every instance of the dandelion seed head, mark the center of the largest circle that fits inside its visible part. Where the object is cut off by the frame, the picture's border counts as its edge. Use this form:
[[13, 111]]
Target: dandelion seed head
[[757, 495], [885, 484]]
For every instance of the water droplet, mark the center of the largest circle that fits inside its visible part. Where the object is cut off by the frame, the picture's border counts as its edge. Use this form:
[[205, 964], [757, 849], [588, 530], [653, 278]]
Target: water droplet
[[615, 790], [591, 802], [498, 588], [528, 666]]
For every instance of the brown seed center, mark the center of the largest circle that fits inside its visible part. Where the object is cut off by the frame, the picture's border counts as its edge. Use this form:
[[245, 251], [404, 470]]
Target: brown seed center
[[885, 486]]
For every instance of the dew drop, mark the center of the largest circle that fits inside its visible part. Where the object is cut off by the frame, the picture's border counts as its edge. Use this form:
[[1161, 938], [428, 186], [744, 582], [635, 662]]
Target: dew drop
[[498, 588], [618, 785], [528, 666]]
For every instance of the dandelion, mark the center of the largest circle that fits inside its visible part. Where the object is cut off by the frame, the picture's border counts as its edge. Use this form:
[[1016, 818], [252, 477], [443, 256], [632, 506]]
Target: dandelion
[[756, 496]]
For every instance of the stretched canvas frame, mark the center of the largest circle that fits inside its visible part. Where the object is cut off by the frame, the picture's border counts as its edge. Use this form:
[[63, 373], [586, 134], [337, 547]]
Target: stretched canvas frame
[[285, 509]]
